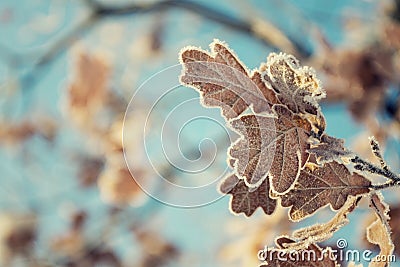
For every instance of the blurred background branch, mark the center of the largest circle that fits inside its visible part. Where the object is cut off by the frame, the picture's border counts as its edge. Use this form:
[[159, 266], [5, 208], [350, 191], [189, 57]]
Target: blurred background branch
[[257, 28]]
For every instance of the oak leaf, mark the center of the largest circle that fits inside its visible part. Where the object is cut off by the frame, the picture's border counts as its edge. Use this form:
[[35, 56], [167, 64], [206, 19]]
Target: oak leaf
[[271, 146], [89, 87], [323, 231], [223, 81], [394, 214], [118, 188], [246, 200], [379, 231], [331, 184], [295, 86], [329, 148]]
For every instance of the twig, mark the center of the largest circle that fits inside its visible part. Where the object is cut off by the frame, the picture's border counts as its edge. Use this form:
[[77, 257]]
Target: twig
[[377, 152], [385, 185], [363, 165]]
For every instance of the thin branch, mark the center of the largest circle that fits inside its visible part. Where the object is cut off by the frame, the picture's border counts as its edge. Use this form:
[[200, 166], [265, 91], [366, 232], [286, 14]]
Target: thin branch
[[363, 165], [377, 152], [56, 49], [101, 11], [237, 24], [385, 185]]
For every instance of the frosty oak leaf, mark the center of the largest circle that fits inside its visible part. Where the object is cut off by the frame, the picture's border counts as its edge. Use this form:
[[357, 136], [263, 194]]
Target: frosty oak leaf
[[379, 232], [287, 145], [329, 148], [245, 200], [322, 231], [331, 184], [224, 81], [295, 86]]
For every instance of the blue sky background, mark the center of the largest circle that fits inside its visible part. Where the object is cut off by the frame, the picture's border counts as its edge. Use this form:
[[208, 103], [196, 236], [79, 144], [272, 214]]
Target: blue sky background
[[38, 176]]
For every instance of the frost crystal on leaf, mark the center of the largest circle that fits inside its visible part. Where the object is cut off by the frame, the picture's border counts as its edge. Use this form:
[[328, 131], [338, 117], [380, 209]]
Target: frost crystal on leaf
[[329, 148], [295, 86]]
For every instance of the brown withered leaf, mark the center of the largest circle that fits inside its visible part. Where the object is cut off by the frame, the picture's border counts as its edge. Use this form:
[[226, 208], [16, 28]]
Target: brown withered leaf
[[18, 233], [246, 200], [329, 148], [241, 249], [290, 151], [15, 133], [317, 122], [223, 81], [278, 149], [377, 234], [76, 250], [90, 169], [267, 92], [394, 214], [156, 251], [379, 231], [381, 208], [296, 86], [18, 132], [311, 256], [320, 232], [253, 153], [88, 93], [88, 89], [331, 184], [118, 188], [358, 77], [72, 242]]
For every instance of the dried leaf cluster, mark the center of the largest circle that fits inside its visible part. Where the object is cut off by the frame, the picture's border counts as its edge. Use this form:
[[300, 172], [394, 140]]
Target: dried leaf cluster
[[284, 156]]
